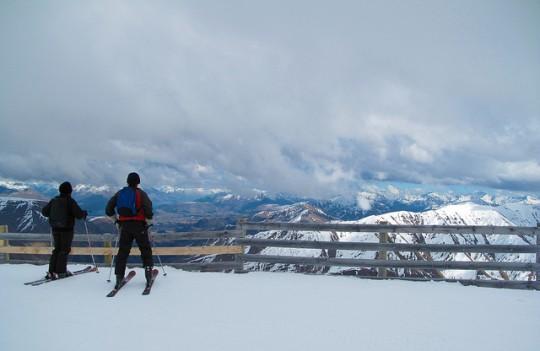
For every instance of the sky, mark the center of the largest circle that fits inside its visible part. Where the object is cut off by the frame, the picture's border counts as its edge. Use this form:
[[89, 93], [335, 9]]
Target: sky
[[307, 97]]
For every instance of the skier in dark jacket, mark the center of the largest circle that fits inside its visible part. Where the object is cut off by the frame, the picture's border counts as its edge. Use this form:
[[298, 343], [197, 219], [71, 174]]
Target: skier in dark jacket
[[134, 210], [62, 212]]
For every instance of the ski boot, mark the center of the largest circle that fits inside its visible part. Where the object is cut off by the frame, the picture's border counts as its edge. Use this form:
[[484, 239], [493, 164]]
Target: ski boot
[[148, 275], [119, 280], [64, 275], [51, 276]]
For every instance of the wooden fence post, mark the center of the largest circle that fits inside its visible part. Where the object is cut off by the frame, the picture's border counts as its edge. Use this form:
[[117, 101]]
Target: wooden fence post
[[237, 257], [538, 254], [4, 229], [383, 239], [107, 242]]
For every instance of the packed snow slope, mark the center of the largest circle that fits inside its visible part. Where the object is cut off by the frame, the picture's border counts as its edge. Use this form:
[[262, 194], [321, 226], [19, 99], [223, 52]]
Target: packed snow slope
[[260, 311]]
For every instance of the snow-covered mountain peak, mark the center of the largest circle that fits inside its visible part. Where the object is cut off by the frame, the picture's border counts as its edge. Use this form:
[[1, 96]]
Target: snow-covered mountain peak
[[85, 188], [169, 189], [467, 213], [529, 200], [300, 212], [21, 214], [13, 185]]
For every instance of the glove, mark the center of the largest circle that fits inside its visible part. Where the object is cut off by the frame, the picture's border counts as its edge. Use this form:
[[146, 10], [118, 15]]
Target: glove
[[85, 214], [149, 222], [113, 219]]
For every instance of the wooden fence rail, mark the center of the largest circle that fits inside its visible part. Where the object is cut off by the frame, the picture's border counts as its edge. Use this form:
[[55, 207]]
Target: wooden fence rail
[[336, 245], [105, 251], [106, 242], [356, 262], [234, 243], [391, 228], [199, 235]]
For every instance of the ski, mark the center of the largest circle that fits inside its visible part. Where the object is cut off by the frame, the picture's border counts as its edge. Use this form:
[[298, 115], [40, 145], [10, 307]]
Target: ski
[[45, 280], [147, 289], [127, 278]]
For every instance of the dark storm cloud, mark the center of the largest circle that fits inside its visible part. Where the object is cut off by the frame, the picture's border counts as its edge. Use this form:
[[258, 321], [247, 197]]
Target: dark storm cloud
[[306, 97]]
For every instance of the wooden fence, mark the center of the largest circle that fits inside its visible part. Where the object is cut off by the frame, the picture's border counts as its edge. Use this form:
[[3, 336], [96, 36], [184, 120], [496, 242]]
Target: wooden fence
[[234, 243], [105, 245]]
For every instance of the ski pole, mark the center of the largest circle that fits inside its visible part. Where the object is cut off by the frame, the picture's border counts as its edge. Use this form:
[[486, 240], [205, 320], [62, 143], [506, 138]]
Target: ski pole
[[159, 258], [161, 264], [114, 256], [90, 246]]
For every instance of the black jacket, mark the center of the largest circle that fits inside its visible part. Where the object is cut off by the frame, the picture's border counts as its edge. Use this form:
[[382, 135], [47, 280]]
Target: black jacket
[[146, 205], [70, 208]]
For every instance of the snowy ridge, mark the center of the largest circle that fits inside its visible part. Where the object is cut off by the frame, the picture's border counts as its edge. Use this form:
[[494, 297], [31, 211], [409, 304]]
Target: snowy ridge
[[84, 188], [462, 214], [12, 185], [182, 205], [202, 191], [22, 215], [299, 212]]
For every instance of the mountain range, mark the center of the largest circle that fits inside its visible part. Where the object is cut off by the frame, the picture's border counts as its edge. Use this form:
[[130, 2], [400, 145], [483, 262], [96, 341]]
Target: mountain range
[[185, 209], [179, 209], [468, 213]]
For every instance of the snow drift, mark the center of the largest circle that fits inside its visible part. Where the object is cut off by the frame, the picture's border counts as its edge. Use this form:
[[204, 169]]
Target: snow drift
[[260, 311]]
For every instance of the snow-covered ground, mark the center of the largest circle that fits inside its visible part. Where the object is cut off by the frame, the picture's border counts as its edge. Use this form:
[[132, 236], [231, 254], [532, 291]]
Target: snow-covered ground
[[260, 311]]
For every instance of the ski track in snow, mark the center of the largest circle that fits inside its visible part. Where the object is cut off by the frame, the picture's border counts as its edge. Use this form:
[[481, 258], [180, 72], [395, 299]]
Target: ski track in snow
[[260, 311]]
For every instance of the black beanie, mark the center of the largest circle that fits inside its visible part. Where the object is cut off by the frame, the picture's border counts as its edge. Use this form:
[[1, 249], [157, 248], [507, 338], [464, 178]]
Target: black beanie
[[133, 179], [65, 188]]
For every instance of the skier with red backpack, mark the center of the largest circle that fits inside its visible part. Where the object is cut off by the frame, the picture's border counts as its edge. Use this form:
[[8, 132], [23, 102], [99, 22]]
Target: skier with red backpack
[[134, 210]]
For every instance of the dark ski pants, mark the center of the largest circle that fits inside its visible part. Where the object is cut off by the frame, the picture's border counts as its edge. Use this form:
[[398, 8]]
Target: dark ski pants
[[62, 248], [130, 230]]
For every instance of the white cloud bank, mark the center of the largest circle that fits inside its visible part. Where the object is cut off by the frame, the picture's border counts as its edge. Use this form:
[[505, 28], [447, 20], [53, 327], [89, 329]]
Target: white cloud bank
[[307, 97]]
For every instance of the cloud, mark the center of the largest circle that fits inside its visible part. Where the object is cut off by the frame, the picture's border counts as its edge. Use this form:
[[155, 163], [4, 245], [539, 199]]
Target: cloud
[[314, 99], [416, 153], [393, 191], [364, 200]]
